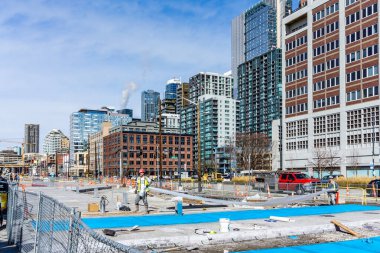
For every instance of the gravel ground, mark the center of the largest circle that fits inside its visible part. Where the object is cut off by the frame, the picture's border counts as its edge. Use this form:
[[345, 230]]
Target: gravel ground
[[368, 230]]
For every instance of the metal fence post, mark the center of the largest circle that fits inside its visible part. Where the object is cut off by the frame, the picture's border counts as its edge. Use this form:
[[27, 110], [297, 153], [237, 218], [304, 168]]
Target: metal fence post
[[38, 222], [71, 231]]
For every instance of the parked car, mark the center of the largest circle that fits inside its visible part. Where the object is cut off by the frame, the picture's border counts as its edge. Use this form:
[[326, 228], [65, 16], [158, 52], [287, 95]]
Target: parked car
[[298, 182], [325, 179], [373, 188]]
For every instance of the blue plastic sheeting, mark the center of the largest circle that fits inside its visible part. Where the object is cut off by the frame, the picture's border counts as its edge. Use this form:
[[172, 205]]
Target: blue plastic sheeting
[[353, 246], [159, 220]]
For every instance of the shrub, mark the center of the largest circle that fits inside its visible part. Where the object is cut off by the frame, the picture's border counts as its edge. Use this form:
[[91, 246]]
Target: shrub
[[353, 181], [242, 179]]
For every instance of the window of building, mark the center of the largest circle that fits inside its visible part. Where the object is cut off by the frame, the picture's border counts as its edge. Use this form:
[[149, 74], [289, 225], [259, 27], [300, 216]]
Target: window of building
[[302, 144], [319, 124], [354, 119], [291, 129], [354, 139], [333, 122], [319, 143], [354, 56], [333, 141], [369, 10], [371, 116], [371, 91], [369, 51], [353, 95], [371, 71], [302, 127]]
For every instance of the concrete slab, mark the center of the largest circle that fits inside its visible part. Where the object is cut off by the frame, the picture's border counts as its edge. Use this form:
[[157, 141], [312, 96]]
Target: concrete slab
[[157, 237]]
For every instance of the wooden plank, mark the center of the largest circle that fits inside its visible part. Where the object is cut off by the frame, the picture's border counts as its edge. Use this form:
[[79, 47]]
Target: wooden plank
[[350, 231]]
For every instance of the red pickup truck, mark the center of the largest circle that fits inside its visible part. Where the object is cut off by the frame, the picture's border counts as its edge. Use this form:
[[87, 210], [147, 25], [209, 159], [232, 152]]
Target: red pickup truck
[[297, 181]]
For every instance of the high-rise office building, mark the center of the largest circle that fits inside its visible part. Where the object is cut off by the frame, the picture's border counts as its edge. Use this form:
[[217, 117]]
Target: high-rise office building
[[259, 92], [149, 105], [55, 141], [331, 87], [171, 88], [88, 121], [218, 113], [182, 97], [32, 138], [257, 31]]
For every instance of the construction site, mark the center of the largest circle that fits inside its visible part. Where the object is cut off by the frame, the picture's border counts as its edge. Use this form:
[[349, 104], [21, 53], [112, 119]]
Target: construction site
[[92, 217]]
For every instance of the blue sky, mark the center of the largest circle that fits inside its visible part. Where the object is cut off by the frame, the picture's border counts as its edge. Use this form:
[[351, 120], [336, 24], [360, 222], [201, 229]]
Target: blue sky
[[59, 56]]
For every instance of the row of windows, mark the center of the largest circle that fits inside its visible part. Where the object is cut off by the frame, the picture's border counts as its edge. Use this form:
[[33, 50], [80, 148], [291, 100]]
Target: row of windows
[[368, 11], [296, 92], [349, 2], [328, 47], [334, 100], [363, 117], [365, 13], [296, 43], [367, 72], [297, 128], [367, 92], [296, 108], [329, 29], [296, 76], [326, 84], [366, 52], [356, 119], [329, 65], [368, 31], [329, 10], [296, 59]]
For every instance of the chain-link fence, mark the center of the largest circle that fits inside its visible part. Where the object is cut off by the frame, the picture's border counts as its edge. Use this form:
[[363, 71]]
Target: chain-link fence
[[39, 223]]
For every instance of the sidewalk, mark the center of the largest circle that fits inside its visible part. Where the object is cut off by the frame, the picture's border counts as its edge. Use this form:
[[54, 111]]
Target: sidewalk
[[4, 247]]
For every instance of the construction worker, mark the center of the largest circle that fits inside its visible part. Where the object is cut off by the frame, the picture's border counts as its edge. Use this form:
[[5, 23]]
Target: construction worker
[[142, 188], [333, 188]]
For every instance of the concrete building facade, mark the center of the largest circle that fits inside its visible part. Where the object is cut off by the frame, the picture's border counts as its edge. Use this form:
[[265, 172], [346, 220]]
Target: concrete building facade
[[55, 141], [331, 87]]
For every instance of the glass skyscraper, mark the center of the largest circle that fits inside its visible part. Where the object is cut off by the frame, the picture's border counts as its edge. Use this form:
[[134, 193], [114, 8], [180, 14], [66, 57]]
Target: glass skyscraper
[[86, 122], [149, 105], [260, 30], [171, 88]]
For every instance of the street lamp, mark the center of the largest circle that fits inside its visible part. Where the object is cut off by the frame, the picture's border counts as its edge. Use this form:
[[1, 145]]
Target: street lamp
[[199, 171]]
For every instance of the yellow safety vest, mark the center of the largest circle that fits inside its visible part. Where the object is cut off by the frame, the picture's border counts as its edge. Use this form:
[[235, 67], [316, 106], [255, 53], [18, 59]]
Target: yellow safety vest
[[146, 182]]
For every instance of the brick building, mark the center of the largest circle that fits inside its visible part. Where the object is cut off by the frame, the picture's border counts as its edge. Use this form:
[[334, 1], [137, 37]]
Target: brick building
[[331, 87], [140, 150]]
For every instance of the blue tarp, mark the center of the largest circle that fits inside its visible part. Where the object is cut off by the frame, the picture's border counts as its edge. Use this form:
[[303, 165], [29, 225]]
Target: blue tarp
[[159, 220], [353, 246]]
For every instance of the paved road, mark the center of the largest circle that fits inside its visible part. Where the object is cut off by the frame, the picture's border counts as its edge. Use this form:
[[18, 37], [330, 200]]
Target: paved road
[[4, 247]]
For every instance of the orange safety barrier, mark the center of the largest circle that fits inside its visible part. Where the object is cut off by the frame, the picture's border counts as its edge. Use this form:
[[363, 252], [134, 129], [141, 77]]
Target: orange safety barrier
[[374, 190], [337, 197], [347, 191]]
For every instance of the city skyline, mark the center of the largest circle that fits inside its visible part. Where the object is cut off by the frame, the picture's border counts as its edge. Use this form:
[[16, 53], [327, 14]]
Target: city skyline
[[83, 55]]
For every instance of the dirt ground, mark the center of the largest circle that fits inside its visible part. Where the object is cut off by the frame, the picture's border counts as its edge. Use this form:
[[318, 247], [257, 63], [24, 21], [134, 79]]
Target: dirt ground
[[368, 230]]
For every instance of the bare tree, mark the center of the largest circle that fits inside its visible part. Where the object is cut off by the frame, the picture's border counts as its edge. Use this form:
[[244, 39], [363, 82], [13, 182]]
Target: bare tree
[[325, 160], [255, 147], [354, 159]]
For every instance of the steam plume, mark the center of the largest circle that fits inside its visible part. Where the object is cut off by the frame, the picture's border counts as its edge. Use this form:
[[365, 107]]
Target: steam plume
[[129, 89]]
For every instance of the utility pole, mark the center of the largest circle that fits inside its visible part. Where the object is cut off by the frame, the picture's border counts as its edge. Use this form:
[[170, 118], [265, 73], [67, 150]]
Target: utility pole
[[160, 144], [199, 149], [96, 163], [179, 156], [56, 163]]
